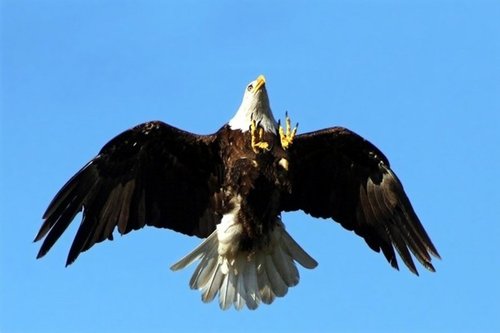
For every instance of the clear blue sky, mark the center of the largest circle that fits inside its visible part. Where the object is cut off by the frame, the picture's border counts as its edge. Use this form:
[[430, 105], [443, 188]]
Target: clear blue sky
[[420, 79]]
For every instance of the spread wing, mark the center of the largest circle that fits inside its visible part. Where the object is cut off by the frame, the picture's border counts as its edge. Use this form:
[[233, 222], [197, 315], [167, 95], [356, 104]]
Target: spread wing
[[337, 174], [153, 174]]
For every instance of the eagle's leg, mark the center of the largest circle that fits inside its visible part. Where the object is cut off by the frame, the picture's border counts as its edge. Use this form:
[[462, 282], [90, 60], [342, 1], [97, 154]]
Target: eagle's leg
[[287, 136], [257, 132]]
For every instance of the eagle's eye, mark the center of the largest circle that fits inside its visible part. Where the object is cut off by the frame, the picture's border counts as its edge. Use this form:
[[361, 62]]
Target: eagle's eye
[[250, 87]]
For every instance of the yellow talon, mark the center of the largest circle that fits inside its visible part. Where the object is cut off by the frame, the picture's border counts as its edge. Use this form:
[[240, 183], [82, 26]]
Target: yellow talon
[[257, 134], [287, 136]]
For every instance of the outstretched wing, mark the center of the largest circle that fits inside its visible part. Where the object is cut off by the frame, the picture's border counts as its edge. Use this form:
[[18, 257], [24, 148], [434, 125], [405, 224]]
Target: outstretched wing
[[337, 174], [153, 174]]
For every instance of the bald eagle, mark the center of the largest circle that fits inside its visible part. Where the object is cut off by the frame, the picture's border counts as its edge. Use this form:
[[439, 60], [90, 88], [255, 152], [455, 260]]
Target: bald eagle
[[231, 188]]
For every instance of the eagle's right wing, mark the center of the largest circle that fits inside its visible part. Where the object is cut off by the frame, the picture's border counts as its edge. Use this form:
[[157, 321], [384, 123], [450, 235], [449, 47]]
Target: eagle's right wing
[[153, 174]]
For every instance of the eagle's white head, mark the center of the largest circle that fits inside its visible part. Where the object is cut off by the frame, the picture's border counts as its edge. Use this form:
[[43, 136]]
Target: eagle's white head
[[254, 106]]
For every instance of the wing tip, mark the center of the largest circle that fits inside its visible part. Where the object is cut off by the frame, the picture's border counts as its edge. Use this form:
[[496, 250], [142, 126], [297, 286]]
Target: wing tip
[[43, 249], [433, 251], [38, 237], [71, 259], [40, 254]]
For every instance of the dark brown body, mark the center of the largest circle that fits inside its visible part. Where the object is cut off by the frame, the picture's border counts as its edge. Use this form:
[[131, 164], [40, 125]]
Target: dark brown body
[[257, 177]]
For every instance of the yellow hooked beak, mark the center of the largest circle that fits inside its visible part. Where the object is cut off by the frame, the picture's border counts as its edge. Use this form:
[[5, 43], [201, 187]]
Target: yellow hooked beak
[[259, 83]]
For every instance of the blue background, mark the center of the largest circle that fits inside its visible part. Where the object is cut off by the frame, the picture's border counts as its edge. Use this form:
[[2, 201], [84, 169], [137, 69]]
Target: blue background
[[420, 79]]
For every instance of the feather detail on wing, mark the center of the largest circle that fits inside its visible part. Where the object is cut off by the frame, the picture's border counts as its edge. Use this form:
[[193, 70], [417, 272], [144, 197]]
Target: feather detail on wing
[[144, 176]]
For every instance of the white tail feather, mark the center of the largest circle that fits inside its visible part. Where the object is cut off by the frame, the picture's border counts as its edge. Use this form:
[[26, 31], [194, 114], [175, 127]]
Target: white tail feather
[[266, 292], [224, 293], [252, 287], [209, 291], [249, 277], [198, 252], [297, 252], [276, 284], [241, 294]]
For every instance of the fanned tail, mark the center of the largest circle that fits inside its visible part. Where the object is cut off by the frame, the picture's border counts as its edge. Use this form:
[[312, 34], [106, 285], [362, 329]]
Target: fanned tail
[[245, 278]]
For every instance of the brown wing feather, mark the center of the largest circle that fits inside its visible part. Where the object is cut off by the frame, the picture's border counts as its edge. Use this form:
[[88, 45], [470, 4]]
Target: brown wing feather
[[153, 174], [337, 174]]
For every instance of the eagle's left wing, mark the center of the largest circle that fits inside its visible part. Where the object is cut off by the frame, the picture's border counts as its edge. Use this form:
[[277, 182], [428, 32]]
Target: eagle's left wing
[[153, 174], [337, 174]]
